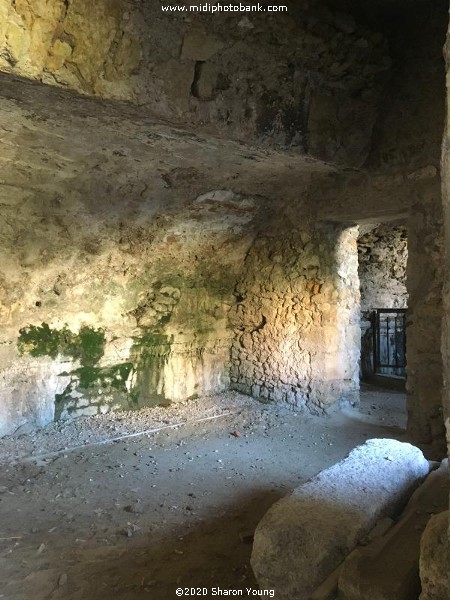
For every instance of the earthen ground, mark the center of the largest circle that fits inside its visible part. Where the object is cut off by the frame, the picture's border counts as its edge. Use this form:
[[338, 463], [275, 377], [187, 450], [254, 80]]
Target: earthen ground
[[139, 517]]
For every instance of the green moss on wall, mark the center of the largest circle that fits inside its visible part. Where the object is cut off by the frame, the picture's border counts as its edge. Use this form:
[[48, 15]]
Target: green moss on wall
[[151, 342], [87, 345], [39, 340], [92, 382], [194, 307]]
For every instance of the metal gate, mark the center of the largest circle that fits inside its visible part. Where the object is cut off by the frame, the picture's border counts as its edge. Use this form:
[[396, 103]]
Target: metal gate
[[389, 343]]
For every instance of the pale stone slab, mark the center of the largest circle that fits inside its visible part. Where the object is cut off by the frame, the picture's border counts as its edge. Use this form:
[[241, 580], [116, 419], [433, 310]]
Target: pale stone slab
[[306, 535]]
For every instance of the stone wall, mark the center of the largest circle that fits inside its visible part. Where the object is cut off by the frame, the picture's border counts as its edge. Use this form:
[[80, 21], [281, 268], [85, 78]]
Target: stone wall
[[382, 258], [293, 78], [436, 539], [97, 344], [297, 320], [424, 359], [415, 196], [97, 339]]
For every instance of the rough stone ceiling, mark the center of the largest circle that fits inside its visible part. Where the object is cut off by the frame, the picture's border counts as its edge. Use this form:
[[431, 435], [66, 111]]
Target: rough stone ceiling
[[298, 79], [114, 153], [103, 177], [51, 136]]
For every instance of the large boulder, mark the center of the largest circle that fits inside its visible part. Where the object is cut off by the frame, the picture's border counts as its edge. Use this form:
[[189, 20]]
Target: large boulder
[[306, 535]]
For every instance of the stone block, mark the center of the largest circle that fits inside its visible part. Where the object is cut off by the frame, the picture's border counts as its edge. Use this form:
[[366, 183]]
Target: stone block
[[435, 559], [306, 535], [255, 390], [388, 568], [89, 411]]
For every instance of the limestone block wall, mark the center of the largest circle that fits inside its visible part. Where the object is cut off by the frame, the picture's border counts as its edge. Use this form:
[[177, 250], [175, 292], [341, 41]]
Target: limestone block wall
[[297, 320], [290, 78]]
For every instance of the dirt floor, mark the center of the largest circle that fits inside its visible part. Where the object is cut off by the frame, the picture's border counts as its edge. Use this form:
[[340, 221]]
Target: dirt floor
[[140, 516]]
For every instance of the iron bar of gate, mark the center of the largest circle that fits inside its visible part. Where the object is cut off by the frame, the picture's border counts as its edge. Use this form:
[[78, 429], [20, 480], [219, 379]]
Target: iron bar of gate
[[375, 339], [388, 355], [391, 317]]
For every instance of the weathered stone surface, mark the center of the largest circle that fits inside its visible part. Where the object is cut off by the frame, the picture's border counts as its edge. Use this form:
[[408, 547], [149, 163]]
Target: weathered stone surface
[[382, 259], [95, 249], [435, 559], [28, 391], [388, 568], [305, 536], [308, 291], [264, 81], [424, 360]]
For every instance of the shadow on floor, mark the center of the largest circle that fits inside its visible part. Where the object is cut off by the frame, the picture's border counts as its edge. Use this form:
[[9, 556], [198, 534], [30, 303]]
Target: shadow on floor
[[151, 565]]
